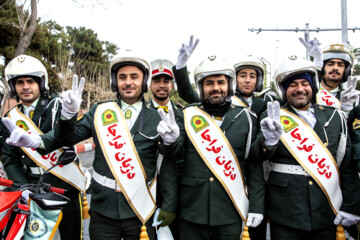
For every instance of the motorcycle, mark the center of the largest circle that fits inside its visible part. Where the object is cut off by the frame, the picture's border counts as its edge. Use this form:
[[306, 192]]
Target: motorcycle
[[33, 211]]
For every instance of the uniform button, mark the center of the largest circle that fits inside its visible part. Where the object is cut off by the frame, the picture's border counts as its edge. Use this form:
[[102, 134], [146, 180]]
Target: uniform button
[[211, 179], [264, 149], [310, 182]]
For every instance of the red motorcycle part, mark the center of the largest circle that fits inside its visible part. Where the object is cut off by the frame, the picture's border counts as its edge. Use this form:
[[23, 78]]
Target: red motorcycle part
[[18, 227], [8, 201]]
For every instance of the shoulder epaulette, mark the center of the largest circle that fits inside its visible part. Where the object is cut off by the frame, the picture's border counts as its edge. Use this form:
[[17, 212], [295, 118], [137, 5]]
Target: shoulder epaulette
[[179, 105], [194, 104], [106, 101]]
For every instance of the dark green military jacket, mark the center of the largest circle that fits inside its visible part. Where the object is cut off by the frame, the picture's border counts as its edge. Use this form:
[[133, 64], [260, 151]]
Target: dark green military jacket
[[17, 163], [147, 141], [187, 93], [203, 199], [297, 201], [354, 131]]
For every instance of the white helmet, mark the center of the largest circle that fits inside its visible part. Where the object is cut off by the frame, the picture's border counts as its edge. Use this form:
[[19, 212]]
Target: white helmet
[[129, 58], [162, 66], [213, 66], [253, 62], [26, 66], [291, 66], [2, 92], [340, 51]]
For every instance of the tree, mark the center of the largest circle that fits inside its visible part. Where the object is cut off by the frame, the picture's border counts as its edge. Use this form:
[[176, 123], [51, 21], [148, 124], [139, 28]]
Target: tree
[[25, 23], [356, 71]]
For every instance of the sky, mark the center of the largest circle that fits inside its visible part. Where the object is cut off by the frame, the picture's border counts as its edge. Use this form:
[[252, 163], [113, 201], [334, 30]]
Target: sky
[[157, 28]]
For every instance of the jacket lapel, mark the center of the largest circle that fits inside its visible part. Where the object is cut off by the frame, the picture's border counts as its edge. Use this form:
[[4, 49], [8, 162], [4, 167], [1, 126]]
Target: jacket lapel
[[228, 120], [321, 117]]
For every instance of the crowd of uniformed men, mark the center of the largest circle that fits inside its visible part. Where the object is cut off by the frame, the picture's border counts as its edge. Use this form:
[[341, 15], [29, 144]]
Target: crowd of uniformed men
[[202, 165]]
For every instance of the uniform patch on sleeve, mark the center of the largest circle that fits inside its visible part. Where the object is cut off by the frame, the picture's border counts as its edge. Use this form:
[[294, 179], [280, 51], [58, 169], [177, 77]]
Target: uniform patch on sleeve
[[356, 124]]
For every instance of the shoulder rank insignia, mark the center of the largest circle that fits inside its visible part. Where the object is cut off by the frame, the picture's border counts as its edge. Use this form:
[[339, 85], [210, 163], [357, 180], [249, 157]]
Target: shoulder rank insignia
[[356, 124]]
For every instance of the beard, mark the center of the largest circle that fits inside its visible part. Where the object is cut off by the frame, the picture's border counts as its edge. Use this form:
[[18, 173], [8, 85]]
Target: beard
[[216, 100], [160, 98]]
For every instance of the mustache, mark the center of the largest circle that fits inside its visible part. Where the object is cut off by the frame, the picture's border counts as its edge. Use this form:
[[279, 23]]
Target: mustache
[[299, 94], [215, 92], [128, 88], [334, 71], [165, 90], [24, 92]]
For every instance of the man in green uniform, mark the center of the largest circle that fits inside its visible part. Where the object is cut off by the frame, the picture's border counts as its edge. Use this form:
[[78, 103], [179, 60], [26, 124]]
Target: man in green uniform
[[336, 63], [354, 131], [127, 143], [249, 79], [314, 155], [162, 83], [28, 81], [218, 162]]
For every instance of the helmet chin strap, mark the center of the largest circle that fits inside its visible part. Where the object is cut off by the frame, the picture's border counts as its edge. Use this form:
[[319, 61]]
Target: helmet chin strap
[[244, 94], [326, 84]]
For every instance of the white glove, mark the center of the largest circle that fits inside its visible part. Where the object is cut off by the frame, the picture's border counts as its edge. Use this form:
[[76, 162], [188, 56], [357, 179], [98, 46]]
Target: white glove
[[167, 128], [254, 219], [185, 52], [19, 137], [349, 96], [25, 195], [71, 99], [271, 126], [346, 219], [312, 46]]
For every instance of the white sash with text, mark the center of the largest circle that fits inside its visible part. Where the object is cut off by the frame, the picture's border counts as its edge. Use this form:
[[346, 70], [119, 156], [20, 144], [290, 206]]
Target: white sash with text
[[70, 173], [306, 147], [215, 150], [123, 160]]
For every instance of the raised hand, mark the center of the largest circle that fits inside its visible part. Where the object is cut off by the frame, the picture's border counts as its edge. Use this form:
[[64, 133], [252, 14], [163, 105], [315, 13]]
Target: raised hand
[[71, 99], [349, 96], [271, 126], [167, 128], [185, 52], [19, 137], [312, 46]]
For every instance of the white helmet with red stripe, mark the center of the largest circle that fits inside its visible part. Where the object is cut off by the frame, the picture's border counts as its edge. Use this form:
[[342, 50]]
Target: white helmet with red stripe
[[162, 66]]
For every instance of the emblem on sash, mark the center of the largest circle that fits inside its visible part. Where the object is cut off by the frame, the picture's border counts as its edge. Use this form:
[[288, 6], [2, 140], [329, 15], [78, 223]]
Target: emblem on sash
[[109, 117], [22, 124], [37, 226], [288, 123], [198, 123]]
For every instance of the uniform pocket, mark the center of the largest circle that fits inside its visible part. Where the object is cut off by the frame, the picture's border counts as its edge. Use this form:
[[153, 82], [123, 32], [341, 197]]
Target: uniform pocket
[[278, 183]]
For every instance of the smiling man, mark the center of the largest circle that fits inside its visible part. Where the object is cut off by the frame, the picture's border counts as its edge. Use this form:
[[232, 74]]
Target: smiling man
[[312, 157], [216, 136], [28, 81], [336, 63]]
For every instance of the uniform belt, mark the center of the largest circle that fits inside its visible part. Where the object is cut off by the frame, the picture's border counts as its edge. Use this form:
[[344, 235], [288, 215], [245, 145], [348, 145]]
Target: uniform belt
[[289, 169], [105, 181], [37, 170], [108, 182]]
